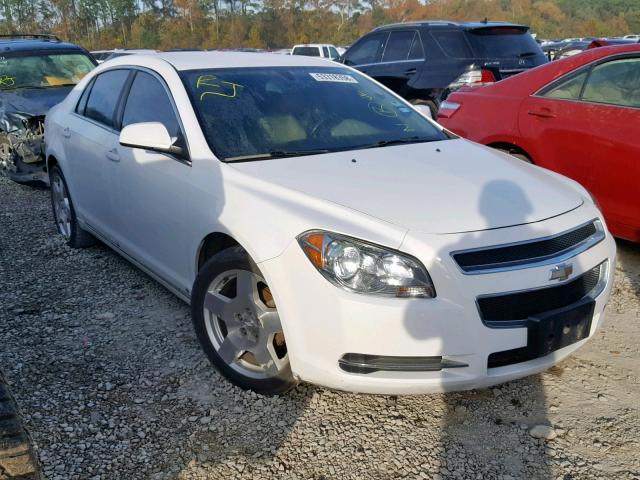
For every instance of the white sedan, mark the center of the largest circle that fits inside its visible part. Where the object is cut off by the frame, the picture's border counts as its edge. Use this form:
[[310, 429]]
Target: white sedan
[[322, 229]]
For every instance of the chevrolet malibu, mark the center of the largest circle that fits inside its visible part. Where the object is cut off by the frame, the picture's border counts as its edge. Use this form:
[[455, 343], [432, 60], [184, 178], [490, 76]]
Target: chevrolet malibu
[[323, 230]]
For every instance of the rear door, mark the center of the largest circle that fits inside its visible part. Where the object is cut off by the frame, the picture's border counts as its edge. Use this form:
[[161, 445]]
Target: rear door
[[90, 138], [401, 60], [556, 129], [585, 126], [612, 94]]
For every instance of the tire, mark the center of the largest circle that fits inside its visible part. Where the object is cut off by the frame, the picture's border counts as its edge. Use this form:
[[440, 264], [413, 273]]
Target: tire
[[17, 458], [238, 326], [64, 213], [516, 154]]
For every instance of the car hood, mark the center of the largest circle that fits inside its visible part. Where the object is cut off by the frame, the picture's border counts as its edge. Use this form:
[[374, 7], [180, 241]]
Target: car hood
[[34, 102], [443, 187]]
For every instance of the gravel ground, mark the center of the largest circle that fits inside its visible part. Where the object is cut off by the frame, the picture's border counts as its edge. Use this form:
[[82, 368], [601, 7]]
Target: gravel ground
[[112, 384]]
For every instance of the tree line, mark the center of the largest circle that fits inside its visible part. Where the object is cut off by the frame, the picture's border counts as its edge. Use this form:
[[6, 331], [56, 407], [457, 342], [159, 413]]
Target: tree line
[[172, 24]]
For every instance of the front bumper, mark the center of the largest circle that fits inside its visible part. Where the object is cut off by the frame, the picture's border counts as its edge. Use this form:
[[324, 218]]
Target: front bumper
[[323, 323]]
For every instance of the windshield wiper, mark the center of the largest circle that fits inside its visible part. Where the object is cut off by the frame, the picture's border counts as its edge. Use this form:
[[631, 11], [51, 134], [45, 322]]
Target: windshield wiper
[[275, 154], [37, 87], [398, 141], [528, 54]]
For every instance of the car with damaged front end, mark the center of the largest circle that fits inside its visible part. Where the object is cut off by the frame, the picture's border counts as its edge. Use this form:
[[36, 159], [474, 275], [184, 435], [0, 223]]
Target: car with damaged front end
[[36, 73]]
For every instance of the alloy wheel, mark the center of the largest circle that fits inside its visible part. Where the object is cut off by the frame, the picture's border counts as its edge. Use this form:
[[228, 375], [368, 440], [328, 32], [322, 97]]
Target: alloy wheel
[[61, 206], [243, 324]]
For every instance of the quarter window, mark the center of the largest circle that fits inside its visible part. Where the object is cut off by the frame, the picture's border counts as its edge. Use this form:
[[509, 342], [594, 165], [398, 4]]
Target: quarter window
[[148, 101], [453, 43], [416, 52], [104, 96], [569, 89], [615, 83], [82, 103], [367, 51], [398, 46]]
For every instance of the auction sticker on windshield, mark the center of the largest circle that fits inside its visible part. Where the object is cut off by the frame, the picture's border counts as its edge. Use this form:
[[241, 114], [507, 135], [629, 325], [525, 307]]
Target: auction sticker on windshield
[[333, 77]]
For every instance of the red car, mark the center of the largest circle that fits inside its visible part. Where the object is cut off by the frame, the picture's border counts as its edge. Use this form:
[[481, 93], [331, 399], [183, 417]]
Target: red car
[[579, 116]]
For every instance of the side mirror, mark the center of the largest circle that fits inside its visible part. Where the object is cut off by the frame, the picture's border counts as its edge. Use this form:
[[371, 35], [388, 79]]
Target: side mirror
[[152, 136], [424, 110]]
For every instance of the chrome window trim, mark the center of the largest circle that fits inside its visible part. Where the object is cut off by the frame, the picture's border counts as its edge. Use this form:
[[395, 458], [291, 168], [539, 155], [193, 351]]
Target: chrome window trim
[[535, 262]]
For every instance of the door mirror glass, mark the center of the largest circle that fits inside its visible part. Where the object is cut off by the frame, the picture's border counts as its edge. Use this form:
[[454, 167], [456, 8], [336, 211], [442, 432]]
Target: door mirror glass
[[152, 136]]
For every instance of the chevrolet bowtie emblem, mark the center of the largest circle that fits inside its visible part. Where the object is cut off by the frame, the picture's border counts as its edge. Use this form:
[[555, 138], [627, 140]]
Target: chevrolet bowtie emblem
[[562, 271]]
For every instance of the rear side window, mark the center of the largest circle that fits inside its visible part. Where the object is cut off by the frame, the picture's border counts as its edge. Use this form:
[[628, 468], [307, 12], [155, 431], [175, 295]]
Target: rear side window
[[615, 83], [569, 89], [503, 42], [398, 46], [307, 51], [367, 51], [148, 101], [453, 43], [325, 52], [104, 96]]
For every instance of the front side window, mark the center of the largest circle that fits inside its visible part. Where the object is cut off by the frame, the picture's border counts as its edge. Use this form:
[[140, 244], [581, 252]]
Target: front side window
[[104, 96], [250, 113], [398, 46], [18, 71], [569, 89], [367, 51], [333, 53], [615, 83], [148, 102]]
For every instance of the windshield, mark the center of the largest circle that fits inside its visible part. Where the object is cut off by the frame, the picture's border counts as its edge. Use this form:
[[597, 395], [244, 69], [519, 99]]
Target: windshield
[[42, 70], [280, 111], [503, 42]]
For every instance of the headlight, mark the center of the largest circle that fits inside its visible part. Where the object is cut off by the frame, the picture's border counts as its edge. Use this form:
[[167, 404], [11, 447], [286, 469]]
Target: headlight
[[361, 267]]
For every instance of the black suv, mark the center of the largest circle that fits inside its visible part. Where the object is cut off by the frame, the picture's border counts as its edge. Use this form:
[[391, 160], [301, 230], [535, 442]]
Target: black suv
[[424, 61], [36, 73]]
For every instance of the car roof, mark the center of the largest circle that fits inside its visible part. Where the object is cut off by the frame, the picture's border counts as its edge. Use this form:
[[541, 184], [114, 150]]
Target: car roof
[[23, 44], [313, 45], [206, 60], [448, 23]]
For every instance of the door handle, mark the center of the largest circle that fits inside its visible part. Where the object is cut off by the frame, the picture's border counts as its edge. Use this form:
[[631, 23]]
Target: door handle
[[542, 113], [113, 155], [66, 133], [411, 71]]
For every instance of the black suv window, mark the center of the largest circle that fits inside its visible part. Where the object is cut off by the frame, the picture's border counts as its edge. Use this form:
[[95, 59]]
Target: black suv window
[[367, 51], [452, 43], [148, 101], [503, 42], [398, 46], [104, 96]]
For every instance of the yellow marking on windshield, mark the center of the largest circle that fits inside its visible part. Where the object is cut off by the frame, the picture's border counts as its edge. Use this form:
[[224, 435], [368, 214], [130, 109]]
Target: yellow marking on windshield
[[206, 81], [7, 81]]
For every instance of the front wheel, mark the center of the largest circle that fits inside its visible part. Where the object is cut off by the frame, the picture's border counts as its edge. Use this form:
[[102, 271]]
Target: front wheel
[[238, 326]]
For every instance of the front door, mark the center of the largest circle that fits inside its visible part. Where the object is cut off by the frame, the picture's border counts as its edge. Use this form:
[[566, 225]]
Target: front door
[[152, 188]]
